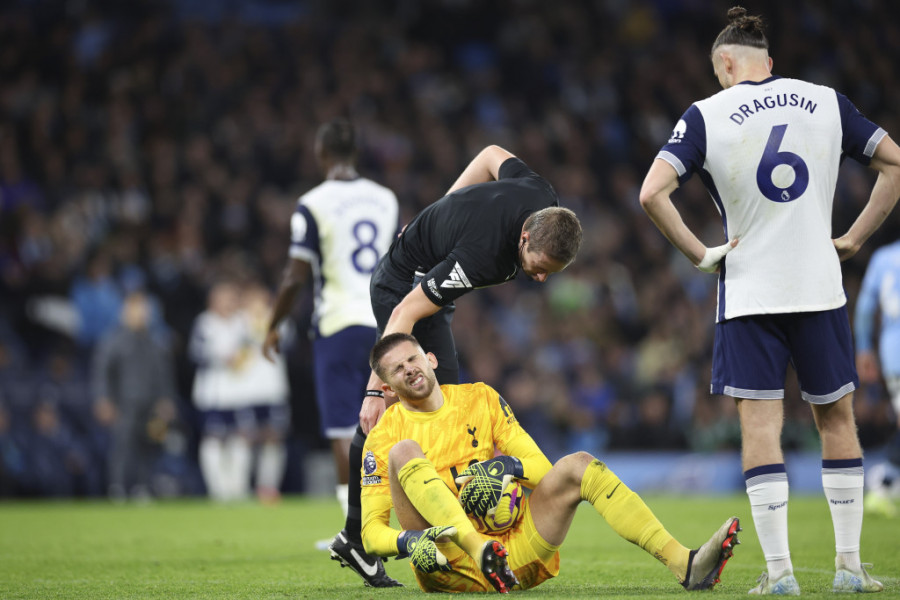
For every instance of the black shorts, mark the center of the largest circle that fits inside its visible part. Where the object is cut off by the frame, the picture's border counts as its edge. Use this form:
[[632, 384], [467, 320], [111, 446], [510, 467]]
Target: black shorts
[[434, 332]]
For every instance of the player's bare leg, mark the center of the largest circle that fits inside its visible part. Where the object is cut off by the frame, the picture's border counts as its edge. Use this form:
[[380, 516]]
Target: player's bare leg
[[340, 448], [837, 428], [270, 463], [761, 422], [554, 501]]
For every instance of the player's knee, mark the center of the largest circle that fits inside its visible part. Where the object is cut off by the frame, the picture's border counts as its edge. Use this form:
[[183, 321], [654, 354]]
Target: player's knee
[[837, 421], [574, 465], [403, 452]]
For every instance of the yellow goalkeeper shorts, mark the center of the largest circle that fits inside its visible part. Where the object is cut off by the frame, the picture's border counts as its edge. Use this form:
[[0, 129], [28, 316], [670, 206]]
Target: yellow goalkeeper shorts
[[531, 558]]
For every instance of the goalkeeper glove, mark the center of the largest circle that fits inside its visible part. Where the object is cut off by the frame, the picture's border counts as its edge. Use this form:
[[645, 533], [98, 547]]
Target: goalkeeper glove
[[419, 546], [484, 483]]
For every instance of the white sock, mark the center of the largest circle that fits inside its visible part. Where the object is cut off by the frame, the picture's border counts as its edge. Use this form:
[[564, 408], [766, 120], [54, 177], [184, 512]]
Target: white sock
[[240, 461], [842, 481], [342, 492], [211, 464], [270, 465], [767, 489]]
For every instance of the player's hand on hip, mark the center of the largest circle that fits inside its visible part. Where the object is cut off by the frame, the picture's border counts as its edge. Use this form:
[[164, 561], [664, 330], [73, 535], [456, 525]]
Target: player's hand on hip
[[370, 413], [270, 345], [713, 257], [846, 248]]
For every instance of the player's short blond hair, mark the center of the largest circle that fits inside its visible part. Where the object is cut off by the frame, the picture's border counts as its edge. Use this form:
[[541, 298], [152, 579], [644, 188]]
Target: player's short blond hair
[[554, 231]]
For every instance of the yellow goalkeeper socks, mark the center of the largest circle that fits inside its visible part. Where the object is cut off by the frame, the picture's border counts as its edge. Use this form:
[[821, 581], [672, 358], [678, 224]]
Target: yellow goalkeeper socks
[[627, 514], [437, 504]]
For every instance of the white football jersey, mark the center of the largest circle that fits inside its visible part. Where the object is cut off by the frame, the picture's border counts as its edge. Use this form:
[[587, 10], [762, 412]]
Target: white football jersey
[[768, 153], [263, 382], [343, 228], [220, 348]]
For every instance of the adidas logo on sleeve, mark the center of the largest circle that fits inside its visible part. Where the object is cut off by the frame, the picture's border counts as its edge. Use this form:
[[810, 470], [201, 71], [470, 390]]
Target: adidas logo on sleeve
[[457, 278]]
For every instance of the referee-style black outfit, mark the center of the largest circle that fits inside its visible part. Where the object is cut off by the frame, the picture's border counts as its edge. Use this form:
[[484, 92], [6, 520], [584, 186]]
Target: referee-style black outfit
[[466, 240]]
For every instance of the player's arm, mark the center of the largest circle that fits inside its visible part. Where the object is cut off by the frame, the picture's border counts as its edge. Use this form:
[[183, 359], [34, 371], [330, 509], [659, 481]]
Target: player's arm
[[535, 463], [378, 537], [885, 193], [483, 168], [414, 307], [655, 198], [296, 274], [512, 440]]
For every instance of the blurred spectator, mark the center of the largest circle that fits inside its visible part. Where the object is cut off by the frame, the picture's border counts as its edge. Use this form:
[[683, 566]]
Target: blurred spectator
[[13, 466], [134, 391], [183, 128], [588, 414], [58, 464], [649, 426], [97, 298]]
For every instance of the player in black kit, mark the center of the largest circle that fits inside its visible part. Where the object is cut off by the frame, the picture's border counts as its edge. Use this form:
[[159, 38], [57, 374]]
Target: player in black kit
[[497, 219]]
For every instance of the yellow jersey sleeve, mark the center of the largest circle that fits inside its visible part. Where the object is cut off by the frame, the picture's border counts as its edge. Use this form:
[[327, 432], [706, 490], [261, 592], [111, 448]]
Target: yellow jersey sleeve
[[378, 536], [512, 440]]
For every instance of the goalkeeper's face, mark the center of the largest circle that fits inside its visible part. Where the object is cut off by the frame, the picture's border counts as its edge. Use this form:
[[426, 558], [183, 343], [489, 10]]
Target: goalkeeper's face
[[409, 371]]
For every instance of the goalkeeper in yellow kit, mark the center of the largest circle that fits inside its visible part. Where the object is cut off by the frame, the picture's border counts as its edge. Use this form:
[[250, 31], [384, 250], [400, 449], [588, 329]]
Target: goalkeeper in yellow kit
[[436, 439]]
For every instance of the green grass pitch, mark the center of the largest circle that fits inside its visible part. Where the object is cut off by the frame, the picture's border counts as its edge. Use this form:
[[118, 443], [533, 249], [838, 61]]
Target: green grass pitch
[[195, 549]]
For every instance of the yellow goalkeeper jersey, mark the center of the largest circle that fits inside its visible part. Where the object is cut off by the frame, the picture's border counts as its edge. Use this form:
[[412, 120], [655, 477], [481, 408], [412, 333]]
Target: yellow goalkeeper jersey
[[472, 421]]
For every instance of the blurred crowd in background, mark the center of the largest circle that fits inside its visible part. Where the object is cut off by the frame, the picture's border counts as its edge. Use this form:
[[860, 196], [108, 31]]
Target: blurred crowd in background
[[158, 147]]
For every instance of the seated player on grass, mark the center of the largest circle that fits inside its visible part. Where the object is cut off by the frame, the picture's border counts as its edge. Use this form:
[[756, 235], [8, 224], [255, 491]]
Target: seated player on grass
[[435, 440]]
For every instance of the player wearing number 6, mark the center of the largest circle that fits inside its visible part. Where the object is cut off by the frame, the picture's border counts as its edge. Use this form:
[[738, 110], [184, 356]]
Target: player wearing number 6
[[339, 231], [768, 150]]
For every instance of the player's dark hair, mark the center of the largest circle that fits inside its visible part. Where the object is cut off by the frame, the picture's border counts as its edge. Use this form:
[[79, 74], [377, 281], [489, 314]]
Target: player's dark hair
[[337, 139], [385, 345], [742, 30], [556, 232]]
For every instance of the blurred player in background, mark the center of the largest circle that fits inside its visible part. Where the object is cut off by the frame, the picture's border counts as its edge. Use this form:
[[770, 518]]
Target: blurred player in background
[[768, 151], [436, 439], [266, 392], [340, 230], [220, 347], [497, 219], [880, 294]]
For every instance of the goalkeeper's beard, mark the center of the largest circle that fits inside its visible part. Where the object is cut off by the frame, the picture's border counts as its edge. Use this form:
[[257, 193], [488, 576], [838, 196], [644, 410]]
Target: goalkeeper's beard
[[423, 391]]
